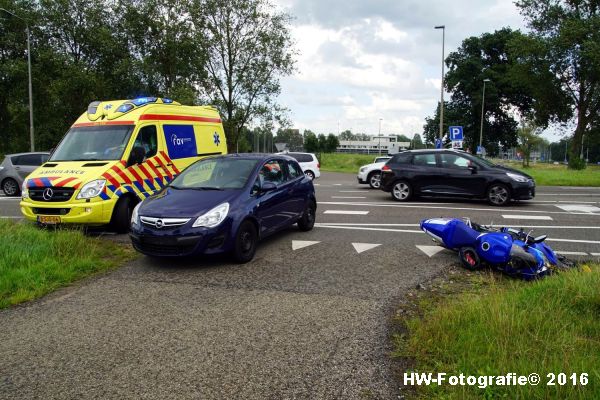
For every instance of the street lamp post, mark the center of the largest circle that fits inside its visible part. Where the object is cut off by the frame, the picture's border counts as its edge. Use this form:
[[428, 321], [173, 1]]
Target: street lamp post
[[482, 113], [443, 28], [31, 140], [379, 147]]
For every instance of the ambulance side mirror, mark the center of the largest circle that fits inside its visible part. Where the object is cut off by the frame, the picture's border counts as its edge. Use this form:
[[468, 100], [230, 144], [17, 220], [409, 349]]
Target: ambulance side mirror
[[137, 156]]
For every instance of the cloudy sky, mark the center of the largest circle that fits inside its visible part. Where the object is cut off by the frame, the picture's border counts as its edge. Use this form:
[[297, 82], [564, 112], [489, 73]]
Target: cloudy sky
[[362, 60]]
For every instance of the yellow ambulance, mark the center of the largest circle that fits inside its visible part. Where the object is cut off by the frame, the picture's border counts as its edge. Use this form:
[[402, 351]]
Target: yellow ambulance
[[117, 154]]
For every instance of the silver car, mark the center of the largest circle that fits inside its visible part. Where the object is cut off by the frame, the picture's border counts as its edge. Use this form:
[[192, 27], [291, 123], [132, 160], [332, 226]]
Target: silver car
[[15, 168]]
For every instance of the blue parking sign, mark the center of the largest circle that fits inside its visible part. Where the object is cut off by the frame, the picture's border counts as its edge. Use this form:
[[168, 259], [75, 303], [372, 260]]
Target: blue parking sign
[[456, 133]]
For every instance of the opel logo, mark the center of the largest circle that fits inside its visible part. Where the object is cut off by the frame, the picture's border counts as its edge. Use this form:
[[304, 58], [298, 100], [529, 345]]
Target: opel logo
[[159, 223], [48, 193]]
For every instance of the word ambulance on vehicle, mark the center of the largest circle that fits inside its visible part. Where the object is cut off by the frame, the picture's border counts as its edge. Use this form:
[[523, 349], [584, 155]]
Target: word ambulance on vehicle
[[116, 154]]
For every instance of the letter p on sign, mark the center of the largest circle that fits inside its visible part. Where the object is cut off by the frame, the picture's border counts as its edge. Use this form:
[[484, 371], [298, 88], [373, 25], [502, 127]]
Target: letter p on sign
[[456, 133]]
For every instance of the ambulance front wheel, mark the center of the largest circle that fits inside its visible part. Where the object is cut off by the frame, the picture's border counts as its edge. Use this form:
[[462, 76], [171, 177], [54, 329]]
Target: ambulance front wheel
[[121, 217]]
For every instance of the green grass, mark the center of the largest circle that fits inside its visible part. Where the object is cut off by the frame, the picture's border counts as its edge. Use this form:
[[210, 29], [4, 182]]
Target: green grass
[[504, 325], [544, 174], [35, 261], [560, 175], [342, 162]]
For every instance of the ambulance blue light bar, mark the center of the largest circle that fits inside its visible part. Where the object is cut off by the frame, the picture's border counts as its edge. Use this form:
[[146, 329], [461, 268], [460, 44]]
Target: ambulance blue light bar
[[140, 101], [125, 107], [167, 101]]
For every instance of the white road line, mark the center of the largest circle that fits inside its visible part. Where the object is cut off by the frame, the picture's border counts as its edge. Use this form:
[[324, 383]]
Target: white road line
[[573, 241], [10, 199], [300, 244], [345, 212], [11, 217], [364, 228], [496, 225], [319, 225], [540, 217], [578, 208], [430, 251], [337, 184], [422, 206], [347, 197], [352, 191], [571, 253], [595, 254], [567, 194], [362, 247]]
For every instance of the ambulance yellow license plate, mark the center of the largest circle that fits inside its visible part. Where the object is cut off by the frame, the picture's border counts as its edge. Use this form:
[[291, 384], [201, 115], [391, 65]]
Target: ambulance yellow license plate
[[48, 220]]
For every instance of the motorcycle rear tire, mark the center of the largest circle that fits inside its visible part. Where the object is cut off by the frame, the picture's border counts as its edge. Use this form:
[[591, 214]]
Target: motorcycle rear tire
[[469, 258]]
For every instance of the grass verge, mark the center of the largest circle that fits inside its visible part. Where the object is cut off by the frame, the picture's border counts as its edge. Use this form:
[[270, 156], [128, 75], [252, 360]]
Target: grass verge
[[341, 162], [560, 175], [490, 325], [35, 261]]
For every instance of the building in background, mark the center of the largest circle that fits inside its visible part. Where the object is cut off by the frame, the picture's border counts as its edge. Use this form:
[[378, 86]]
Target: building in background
[[376, 145]]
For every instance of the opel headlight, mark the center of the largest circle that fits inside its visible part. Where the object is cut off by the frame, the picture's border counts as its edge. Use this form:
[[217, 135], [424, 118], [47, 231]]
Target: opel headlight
[[517, 177], [135, 218], [92, 189], [363, 169], [214, 217], [24, 190]]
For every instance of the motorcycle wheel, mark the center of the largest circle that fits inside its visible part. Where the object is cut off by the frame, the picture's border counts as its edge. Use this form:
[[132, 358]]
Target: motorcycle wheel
[[469, 258]]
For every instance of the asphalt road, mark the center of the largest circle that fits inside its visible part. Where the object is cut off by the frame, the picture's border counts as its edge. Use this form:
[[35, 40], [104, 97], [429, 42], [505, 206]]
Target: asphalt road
[[307, 318]]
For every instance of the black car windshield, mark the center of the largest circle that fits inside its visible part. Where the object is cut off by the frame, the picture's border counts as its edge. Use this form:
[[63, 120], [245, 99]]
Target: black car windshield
[[216, 174], [93, 143]]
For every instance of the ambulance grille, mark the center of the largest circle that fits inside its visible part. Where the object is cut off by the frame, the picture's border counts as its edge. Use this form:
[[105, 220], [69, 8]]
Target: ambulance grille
[[58, 194]]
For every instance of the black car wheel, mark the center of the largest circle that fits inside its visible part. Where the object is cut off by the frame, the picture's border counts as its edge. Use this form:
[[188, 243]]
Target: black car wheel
[[375, 180], [307, 221], [245, 242], [121, 217], [498, 194], [10, 187], [401, 191], [310, 175]]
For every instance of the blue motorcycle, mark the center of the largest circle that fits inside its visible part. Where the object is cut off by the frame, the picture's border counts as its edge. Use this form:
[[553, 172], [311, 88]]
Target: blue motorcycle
[[509, 250]]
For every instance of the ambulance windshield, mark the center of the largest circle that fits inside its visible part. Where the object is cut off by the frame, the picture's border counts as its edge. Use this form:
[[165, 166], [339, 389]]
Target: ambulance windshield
[[93, 143]]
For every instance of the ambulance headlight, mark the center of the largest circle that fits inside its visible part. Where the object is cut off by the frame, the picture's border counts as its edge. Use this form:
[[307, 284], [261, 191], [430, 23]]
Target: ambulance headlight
[[24, 190], [91, 189], [135, 217], [214, 217]]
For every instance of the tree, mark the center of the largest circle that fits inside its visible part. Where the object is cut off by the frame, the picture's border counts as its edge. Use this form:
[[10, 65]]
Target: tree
[[485, 57], [529, 138], [403, 138], [331, 144], [322, 142], [311, 142], [417, 142], [347, 135], [292, 137], [248, 47], [566, 38]]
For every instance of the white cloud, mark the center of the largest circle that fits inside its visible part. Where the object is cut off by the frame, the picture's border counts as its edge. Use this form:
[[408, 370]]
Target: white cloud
[[360, 61]]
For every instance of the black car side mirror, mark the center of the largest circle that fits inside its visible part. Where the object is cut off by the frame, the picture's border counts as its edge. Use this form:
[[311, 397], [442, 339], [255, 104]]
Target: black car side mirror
[[267, 187], [137, 156]]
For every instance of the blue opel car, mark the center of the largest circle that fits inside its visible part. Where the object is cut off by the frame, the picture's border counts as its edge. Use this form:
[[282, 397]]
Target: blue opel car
[[225, 204]]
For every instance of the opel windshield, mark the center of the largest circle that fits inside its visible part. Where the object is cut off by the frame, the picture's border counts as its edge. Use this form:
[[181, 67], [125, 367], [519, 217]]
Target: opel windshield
[[216, 174], [93, 143]]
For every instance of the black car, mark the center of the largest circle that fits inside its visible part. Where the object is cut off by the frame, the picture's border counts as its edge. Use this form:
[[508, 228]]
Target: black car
[[453, 173]]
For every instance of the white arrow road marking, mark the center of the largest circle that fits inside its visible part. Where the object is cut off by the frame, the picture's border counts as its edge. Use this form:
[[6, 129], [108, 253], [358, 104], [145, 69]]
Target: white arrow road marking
[[540, 217], [362, 247], [299, 244], [578, 208], [346, 212], [430, 251]]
